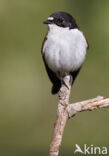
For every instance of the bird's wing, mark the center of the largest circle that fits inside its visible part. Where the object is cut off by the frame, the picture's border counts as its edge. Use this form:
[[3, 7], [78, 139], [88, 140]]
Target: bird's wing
[[52, 76], [43, 44]]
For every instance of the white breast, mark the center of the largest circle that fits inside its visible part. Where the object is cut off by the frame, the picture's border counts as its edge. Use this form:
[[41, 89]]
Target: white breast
[[65, 49]]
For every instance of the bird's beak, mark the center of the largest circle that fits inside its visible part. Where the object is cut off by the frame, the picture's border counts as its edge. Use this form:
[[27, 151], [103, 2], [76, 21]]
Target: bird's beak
[[47, 22]]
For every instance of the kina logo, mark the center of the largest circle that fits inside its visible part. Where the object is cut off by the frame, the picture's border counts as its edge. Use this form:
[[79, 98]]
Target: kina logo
[[91, 150]]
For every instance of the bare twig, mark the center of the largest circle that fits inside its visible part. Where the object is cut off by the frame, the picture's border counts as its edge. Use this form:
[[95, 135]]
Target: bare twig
[[66, 110], [96, 103]]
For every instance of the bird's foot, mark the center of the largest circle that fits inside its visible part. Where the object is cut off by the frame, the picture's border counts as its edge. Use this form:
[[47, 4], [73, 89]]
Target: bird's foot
[[63, 83], [71, 80]]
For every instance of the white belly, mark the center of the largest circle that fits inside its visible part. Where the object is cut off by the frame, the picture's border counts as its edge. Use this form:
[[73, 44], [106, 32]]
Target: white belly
[[65, 50]]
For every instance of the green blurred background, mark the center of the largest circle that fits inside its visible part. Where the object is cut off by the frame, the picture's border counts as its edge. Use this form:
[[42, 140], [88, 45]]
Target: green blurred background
[[27, 108]]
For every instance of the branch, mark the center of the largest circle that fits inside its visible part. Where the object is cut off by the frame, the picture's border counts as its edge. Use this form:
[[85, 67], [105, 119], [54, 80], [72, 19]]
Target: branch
[[62, 116], [66, 111], [96, 103]]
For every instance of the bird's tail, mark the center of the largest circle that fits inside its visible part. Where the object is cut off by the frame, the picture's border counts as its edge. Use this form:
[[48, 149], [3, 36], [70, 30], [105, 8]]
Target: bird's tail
[[56, 88], [57, 83]]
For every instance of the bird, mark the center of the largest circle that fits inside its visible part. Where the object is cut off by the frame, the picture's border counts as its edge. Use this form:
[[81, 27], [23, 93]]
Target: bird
[[64, 49]]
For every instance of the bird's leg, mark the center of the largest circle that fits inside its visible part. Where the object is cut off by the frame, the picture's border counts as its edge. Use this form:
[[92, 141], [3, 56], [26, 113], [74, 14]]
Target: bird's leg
[[63, 82], [71, 80]]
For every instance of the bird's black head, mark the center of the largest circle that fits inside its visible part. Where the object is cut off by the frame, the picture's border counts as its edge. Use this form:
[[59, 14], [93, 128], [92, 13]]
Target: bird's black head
[[62, 19]]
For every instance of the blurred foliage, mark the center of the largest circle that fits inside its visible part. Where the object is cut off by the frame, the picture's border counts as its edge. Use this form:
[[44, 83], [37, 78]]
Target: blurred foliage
[[27, 108]]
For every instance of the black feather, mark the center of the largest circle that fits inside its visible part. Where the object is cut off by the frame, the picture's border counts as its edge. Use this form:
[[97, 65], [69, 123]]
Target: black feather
[[74, 74], [52, 76]]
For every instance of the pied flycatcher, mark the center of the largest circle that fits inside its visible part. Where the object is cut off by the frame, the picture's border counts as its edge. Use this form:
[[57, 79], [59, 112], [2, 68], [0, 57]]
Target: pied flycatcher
[[63, 49]]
